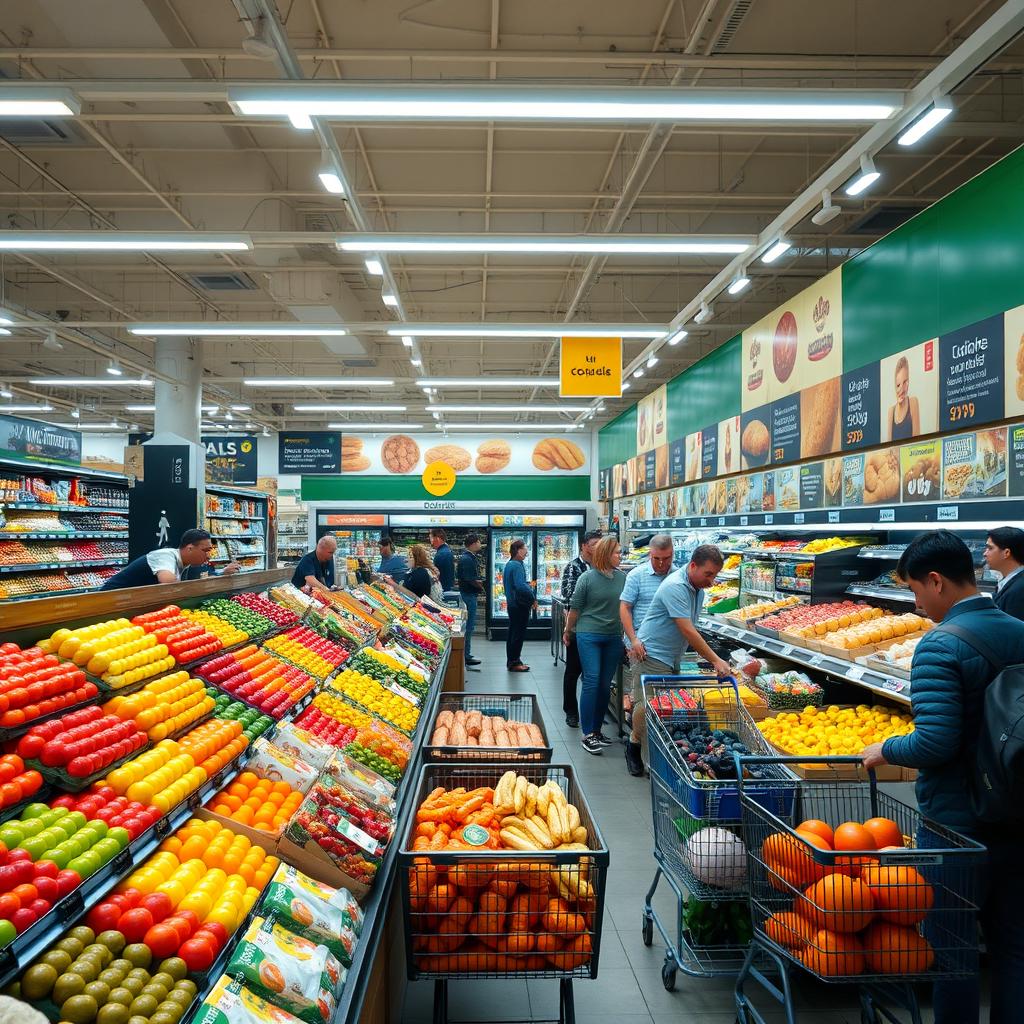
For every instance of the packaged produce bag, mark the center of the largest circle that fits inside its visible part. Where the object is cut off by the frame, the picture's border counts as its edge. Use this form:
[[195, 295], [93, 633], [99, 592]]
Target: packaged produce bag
[[273, 762], [230, 1002], [314, 910], [303, 745], [288, 970]]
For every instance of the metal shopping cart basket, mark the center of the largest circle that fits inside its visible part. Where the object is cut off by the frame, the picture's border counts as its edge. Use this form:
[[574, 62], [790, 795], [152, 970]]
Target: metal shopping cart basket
[[697, 841], [882, 919]]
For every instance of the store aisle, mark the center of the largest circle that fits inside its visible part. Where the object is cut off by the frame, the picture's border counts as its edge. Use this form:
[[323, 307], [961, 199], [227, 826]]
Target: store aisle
[[628, 988]]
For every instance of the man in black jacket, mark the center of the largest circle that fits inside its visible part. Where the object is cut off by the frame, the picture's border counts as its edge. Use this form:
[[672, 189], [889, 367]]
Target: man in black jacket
[[1004, 552], [467, 574]]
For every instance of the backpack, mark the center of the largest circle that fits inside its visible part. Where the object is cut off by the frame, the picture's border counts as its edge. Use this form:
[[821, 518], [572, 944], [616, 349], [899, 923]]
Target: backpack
[[997, 785]]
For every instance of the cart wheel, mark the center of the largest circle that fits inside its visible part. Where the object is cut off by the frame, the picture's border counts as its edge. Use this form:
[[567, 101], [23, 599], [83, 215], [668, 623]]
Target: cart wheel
[[668, 976], [647, 932]]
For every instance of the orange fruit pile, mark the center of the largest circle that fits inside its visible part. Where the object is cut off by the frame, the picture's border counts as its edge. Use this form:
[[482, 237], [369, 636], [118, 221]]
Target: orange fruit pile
[[214, 743], [260, 803]]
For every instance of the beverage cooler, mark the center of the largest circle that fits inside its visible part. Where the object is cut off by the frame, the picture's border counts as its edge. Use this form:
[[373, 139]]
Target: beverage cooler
[[552, 541], [357, 534]]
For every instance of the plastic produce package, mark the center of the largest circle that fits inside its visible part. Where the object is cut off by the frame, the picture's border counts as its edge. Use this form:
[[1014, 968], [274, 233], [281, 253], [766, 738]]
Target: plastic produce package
[[275, 763], [230, 1002]]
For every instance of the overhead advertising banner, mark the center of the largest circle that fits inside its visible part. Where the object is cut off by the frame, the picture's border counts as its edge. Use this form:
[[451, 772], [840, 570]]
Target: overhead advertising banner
[[728, 446], [971, 365], [231, 459], [309, 451], [39, 442], [909, 392], [469, 454], [590, 368]]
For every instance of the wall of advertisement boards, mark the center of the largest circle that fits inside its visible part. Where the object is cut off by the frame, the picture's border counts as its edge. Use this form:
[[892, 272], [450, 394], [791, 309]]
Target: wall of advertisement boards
[[920, 335]]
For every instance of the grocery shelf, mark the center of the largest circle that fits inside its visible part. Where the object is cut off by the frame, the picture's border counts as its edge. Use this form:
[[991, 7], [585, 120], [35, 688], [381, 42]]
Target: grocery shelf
[[249, 533], [758, 593], [31, 506], [73, 564], [877, 682], [232, 515], [57, 535], [882, 593]]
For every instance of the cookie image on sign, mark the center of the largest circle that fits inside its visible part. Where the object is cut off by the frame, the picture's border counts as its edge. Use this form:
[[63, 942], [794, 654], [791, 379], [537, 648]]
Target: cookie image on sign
[[452, 454], [352, 458], [492, 456], [399, 453]]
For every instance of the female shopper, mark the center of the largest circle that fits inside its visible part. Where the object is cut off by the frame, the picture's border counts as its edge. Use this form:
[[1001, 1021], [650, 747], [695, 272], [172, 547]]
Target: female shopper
[[422, 575], [594, 615]]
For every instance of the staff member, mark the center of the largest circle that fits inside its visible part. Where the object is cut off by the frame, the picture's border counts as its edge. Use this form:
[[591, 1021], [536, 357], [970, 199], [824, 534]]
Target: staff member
[[166, 565], [520, 601], [1004, 552], [391, 562], [444, 560], [470, 588], [316, 567]]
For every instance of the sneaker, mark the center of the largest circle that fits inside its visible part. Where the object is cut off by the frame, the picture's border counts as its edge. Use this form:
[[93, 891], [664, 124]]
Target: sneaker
[[604, 741], [634, 762], [573, 721], [591, 745], [473, 661]]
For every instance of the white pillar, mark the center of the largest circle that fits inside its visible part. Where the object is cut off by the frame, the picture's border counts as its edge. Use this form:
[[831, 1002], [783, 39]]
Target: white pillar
[[179, 404]]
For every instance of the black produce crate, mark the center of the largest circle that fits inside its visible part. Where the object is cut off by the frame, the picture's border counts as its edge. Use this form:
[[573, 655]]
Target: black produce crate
[[515, 707], [473, 943]]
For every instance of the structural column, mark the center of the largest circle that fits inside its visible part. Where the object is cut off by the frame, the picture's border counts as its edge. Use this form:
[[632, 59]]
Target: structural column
[[179, 404]]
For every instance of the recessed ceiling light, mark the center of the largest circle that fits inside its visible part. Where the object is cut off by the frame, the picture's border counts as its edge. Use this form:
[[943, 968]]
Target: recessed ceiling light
[[389, 298], [331, 180], [25, 99]]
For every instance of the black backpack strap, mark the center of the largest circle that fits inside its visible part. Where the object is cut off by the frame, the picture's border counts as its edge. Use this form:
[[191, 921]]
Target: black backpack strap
[[975, 645]]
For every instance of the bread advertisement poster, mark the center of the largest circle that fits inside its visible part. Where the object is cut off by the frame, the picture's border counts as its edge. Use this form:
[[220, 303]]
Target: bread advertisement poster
[[786, 429], [652, 420], [853, 481], [909, 393], [974, 465], [821, 419], [1013, 345], [921, 470], [971, 369], [468, 454], [755, 437], [729, 446], [859, 419], [1015, 459], [797, 345], [882, 477], [812, 485], [694, 455], [709, 453]]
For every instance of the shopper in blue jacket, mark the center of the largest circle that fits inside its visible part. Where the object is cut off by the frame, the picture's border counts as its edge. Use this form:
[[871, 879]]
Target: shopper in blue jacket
[[520, 600], [947, 691]]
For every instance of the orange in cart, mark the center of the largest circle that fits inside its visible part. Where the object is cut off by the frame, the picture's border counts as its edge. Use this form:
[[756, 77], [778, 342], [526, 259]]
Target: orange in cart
[[834, 954]]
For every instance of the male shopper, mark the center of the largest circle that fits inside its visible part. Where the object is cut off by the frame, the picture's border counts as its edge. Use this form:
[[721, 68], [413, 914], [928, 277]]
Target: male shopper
[[638, 593], [573, 669], [948, 680], [1004, 552], [470, 588], [444, 559], [315, 569], [669, 628], [391, 562], [521, 600], [166, 565]]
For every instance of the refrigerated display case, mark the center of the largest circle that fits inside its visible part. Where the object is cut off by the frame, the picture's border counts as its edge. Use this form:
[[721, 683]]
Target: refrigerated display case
[[357, 534], [552, 541]]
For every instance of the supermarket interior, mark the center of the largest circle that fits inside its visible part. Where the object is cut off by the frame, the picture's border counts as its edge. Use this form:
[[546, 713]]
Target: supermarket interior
[[511, 512]]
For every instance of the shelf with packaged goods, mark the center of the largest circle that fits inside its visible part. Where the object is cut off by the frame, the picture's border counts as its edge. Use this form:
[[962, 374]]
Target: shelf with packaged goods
[[35, 506], [88, 563], [888, 686], [57, 535], [230, 515]]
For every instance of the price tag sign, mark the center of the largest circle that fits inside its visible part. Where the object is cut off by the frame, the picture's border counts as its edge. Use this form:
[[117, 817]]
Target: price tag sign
[[833, 516], [769, 519], [744, 520], [400, 691], [948, 513], [895, 685], [855, 673], [356, 835], [70, 907], [817, 659], [887, 515]]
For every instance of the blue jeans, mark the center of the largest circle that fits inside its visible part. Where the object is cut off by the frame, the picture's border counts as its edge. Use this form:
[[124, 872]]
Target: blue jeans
[[470, 601], [600, 654]]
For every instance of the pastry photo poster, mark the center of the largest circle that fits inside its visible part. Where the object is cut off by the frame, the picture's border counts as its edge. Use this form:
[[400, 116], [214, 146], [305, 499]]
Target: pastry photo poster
[[469, 454]]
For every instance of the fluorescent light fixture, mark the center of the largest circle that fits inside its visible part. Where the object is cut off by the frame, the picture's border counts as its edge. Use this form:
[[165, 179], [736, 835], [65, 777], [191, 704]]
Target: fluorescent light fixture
[[389, 298], [678, 245], [601, 407], [114, 370], [301, 121], [5, 391], [319, 382], [436, 415], [739, 283], [864, 179], [570, 409], [371, 427], [489, 382], [229, 416], [413, 101], [416, 362], [90, 426], [704, 314], [349, 408], [484, 330], [28, 100], [210, 410], [625, 386], [675, 337], [138, 408], [513, 427], [267, 329], [25, 408], [375, 267], [76, 414], [775, 250], [331, 180], [241, 408], [91, 382], [652, 362], [828, 212], [122, 241], [407, 341], [931, 118], [638, 372]]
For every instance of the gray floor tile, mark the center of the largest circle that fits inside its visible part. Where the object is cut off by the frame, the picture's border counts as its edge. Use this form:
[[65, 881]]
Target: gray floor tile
[[613, 991]]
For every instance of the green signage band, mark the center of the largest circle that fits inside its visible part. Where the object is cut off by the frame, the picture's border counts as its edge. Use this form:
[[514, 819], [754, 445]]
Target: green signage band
[[375, 489]]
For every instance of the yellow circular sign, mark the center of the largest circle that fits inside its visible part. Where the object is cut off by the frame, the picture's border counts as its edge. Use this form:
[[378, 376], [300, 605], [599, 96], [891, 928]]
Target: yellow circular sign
[[246, 446], [438, 478]]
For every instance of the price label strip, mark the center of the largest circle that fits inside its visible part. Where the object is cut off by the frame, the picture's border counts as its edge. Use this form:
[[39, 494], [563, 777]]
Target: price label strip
[[356, 835], [400, 691]]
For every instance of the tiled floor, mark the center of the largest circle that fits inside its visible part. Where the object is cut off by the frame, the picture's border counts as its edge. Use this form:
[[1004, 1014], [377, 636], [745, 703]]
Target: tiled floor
[[628, 988]]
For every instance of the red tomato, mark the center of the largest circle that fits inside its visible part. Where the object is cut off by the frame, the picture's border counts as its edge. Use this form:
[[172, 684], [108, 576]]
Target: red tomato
[[68, 881], [134, 924], [198, 953], [30, 782], [26, 893], [158, 904], [191, 917], [22, 919], [103, 917], [9, 903], [47, 888], [217, 931], [162, 940], [44, 869]]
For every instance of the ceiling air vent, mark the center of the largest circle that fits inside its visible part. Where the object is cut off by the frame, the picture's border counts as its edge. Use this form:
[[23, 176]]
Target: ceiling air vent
[[25, 130], [223, 282], [740, 9], [883, 220]]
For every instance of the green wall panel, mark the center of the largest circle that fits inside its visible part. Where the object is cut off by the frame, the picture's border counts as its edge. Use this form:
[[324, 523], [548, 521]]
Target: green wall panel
[[706, 392], [374, 490], [616, 441], [956, 262]]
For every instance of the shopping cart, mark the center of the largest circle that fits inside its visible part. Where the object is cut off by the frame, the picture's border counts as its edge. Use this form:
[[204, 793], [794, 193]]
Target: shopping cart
[[697, 840], [882, 919]]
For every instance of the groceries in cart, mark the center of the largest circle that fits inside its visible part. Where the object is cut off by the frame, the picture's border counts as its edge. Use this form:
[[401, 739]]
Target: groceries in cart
[[788, 690], [709, 753], [475, 729], [668, 702]]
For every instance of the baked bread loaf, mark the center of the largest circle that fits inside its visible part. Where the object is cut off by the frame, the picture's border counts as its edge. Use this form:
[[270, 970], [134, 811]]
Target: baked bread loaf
[[756, 440], [881, 477], [492, 456], [450, 454], [819, 416], [557, 453]]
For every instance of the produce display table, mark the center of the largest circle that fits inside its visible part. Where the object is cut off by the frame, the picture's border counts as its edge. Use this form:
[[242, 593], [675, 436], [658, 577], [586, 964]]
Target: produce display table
[[455, 674]]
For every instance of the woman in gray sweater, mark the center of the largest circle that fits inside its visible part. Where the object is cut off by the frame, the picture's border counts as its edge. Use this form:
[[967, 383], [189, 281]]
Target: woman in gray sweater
[[594, 615]]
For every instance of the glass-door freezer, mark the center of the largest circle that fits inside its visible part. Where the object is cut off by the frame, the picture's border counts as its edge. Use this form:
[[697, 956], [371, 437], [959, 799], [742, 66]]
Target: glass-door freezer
[[555, 550], [501, 544]]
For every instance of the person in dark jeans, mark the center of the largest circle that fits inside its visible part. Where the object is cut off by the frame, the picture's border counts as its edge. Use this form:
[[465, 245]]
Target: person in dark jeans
[[444, 559], [573, 669], [468, 577], [948, 679], [521, 601]]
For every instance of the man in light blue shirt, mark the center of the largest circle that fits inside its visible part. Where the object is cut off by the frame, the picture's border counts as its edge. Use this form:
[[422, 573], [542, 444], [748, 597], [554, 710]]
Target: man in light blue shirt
[[668, 630], [391, 562]]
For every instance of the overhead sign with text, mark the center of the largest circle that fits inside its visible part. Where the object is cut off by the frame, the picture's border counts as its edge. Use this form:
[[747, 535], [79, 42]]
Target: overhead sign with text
[[39, 442], [310, 451], [231, 459], [591, 367]]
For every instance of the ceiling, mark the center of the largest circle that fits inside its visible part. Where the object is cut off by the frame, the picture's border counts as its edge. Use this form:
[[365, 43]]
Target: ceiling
[[188, 164]]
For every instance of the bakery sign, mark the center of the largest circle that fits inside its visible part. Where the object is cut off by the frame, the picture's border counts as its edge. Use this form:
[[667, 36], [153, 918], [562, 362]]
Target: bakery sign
[[386, 454]]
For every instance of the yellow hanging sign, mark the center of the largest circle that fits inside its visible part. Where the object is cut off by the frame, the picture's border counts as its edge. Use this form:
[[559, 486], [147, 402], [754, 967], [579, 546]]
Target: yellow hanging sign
[[591, 367], [438, 479]]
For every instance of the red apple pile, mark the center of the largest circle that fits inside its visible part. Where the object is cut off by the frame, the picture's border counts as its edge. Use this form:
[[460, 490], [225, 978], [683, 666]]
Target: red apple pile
[[34, 684], [102, 803], [82, 743]]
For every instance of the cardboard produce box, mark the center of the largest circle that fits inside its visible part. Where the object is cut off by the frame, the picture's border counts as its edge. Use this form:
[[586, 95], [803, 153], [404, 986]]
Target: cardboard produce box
[[313, 861]]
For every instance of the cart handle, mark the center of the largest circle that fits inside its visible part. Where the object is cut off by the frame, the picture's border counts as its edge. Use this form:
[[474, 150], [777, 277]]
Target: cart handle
[[750, 759]]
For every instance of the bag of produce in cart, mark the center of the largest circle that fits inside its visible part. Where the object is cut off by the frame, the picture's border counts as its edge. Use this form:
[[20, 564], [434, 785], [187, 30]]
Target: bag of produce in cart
[[290, 971], [230, 1002], [315, 910], [273, 762]]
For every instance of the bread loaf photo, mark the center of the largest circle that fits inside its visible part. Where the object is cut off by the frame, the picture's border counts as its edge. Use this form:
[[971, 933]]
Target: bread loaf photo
[[492, 456], [557, 453], [450, 454]]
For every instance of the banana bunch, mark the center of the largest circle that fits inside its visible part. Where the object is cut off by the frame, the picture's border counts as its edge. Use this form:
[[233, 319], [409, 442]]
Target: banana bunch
[[537, 817]]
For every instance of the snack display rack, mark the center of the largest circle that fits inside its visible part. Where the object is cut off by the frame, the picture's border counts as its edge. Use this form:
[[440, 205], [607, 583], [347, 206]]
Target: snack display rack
[[28, 623], [238, 520], [62, 529]]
